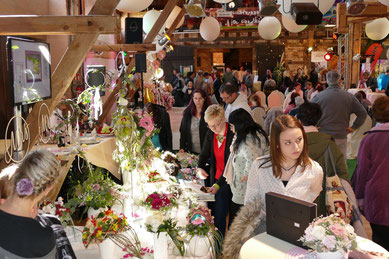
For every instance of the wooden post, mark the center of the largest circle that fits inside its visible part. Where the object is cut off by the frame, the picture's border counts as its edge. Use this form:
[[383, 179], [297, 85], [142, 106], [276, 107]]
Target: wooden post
[[355, 31]]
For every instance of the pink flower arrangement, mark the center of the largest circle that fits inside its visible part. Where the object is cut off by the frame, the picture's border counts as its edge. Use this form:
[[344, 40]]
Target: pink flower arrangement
[[146, 122], [159, 201], [329, 234]]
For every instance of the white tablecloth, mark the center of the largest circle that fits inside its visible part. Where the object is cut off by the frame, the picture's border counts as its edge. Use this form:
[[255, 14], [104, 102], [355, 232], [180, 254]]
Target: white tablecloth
[[267, 246]]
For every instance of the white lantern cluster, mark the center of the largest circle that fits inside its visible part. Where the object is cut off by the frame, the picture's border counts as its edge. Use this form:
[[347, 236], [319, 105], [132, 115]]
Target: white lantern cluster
[[384, 2], [209, 29], [377, 29], [269, 28], [133, 6]]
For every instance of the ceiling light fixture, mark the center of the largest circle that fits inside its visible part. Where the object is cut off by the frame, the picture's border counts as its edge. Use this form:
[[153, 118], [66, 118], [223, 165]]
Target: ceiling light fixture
[[355, 7]]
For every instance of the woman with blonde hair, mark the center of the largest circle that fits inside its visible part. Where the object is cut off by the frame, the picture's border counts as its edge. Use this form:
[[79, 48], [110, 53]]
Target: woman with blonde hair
[[287, 169], [22, 236], [216, 149]]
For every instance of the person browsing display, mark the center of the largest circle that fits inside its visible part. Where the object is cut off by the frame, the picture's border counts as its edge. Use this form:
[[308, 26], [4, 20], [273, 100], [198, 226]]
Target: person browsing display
[[250, 141], [22, 236], [287, 169], [193, 127], [215, 151]]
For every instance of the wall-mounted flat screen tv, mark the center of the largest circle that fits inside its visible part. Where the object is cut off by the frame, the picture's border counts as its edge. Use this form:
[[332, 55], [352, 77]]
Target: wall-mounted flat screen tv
[[30, 71]]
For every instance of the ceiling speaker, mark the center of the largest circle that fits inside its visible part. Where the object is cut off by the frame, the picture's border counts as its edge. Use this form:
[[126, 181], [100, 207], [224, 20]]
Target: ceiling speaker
[[306, 13]]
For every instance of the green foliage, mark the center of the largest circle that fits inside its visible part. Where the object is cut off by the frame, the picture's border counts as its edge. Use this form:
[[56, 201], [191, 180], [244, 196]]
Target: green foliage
[[97, 191]]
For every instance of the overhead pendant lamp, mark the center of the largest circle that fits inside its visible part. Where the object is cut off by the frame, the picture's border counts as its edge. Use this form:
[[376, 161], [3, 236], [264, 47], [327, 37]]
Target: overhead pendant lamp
[[267, 7], [355, 7]]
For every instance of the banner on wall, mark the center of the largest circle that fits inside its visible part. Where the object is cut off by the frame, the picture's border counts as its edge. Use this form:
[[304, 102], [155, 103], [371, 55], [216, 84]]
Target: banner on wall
[[318, 56], [243, 18]]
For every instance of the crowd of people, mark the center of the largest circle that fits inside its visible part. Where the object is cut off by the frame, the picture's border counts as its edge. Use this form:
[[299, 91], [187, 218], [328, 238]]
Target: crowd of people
[[245, 151], [243, 157]]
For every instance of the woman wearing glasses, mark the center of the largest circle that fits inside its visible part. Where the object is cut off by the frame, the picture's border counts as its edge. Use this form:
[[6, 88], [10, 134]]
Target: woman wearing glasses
[[287, 170], [216, 149], [193, 127]]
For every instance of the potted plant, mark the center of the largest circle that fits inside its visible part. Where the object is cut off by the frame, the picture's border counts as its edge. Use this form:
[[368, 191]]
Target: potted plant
[[330, 237]]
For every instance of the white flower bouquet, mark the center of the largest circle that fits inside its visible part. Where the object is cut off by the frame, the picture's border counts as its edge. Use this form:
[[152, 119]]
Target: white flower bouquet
[[330, 234]]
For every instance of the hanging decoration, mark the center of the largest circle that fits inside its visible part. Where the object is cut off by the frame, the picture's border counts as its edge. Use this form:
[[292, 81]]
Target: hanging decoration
[[209, 29], [149, 20], [269, 28], [291, 26], [133, 6], [377, 29]]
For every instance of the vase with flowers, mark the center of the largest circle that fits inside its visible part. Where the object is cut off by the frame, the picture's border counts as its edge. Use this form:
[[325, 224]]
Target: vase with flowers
[[96, 193], [330, 237], [115, 237], [202, 233]]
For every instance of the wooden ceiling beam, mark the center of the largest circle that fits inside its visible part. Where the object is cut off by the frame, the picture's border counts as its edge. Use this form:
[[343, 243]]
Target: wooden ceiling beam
[[124, 47], [160, 21], [176, 21], [58, 25]]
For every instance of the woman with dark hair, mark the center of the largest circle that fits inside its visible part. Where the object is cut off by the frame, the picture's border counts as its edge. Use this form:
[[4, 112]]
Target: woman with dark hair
[[292, 103], [161, 119], [217, 83], [193, 127], [250, 141], [370, 179], [287, 169]]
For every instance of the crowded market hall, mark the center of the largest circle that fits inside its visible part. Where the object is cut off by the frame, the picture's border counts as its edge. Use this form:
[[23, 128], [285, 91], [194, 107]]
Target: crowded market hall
[[194, 129]]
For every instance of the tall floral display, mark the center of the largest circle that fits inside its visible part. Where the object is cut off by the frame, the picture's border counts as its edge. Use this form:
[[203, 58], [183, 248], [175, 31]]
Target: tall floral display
[[156, 200]]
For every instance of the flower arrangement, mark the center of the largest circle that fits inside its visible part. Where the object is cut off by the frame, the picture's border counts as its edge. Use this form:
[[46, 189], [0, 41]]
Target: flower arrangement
[[200, 223], [97, 191], [58, 209], [154, 176], [160, 202], [329, 234], [188, 160], [163, 97], [133, 131]]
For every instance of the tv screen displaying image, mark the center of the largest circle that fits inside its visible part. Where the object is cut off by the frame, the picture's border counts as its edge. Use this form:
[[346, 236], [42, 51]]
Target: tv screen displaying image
[[29, 65]]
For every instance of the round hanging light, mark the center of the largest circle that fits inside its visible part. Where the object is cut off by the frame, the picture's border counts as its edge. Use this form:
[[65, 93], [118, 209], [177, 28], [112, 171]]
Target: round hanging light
[[172, 18], [269, 28], [377, 29], [291, 26], [133, 6], [209, 29]]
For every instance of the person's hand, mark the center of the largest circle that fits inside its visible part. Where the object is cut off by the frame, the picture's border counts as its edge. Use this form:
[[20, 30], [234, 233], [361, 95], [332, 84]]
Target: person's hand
[[244, 179], [201, 173], [212, 189], [350, 130], [181, 151]]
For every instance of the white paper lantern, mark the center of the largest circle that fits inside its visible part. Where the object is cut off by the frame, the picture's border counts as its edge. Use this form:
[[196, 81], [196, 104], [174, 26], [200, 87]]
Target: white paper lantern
[[222, 1], [172, 18], [377, 29], [285, 8], [269, 28], [291, 26], [133, 6], [384, 2], [149, 20], [209, 29]]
